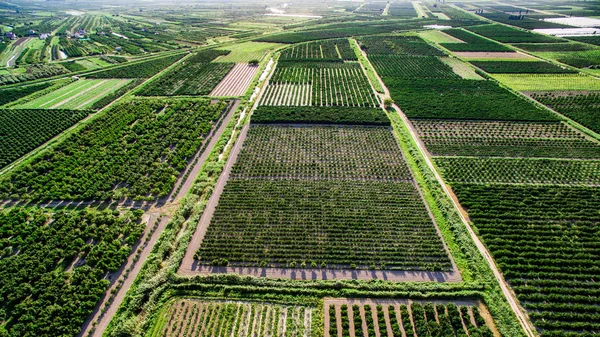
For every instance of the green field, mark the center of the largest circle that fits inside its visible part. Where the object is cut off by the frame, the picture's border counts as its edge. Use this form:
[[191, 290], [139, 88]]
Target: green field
[[77, 95], [549, 82], [248, 51]]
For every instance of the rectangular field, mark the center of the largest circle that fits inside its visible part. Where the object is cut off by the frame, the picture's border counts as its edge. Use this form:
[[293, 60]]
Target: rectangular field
[[580, 106], [326, 50], [236, 82], [214, 318], [516, 67], [247, 51], [504, 139], [81, 94], [327, 196], [320, 84], [381, 317], [543, 82]]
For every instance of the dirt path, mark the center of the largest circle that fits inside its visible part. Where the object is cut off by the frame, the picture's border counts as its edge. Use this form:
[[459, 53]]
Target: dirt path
[[189, 264], [150, 237], [213, 138]]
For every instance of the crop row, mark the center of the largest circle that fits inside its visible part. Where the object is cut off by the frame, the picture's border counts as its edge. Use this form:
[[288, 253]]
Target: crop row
[[320, 84], [402, 9], [414, 320], [323, 50], [33, 72], [545, 241], [502, 33], [472, 42], [222, 319], [196, 75], [319, 115], [423, 67], [519, 171], [321, 153], [53, 265], [23, 130], [398, 45], [13, 94], [135, 149], [142, 69], [519, 67], [337, 224], [582, 107]]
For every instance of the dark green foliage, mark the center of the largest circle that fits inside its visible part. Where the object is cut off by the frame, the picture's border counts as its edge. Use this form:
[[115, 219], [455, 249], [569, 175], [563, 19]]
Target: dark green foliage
[[398, 45], [507, 34], [473, 42], [462, 99], [8, 95], [402, 9], [581, 59], [143, 69], [552, 47], [420, 323], [423, 67], [320, 51], [193, 76], [582, 107], [52, 273], [350, 183], [518, 67], [135, 149], [358, 328], [333, 332], [504, 139], [545, 241], [105, 100], [369, 320], [23, 130], [395, 325], [345, 321], [33, 72], [406, 322], [586, 39], [320, 115], [522, 21], [73, 66]]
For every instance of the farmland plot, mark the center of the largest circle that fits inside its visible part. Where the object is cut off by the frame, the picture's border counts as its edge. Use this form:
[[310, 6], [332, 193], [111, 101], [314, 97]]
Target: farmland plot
[[142, 69], [411, 66], [580, 106], [398, 45], [549, 82], [348, 201], [399, 318], [504, 139], [545, 241], [236, 81], [134, 150], [334, 50], [516, 67], [192, 317], [320, 84], [80, 94], [21, 131], [247, 51]]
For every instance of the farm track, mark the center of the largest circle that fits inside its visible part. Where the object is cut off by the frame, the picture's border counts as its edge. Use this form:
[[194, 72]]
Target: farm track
[[510, 296], [236, 82]]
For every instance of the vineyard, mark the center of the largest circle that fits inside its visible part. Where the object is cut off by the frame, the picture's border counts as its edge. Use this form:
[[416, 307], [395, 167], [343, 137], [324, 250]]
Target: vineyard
[[399, 318], [504, 139], [472, 43], [319, 84], [13, 94], [52, 265], [334, 197], [142, 69], [22, 131], [544, 240], [33, 72], [582, 107], [507, 34], [81, 94], [327, 50], [517, 67], [190, 317], [195, 75], [424, 67], [398, 45], [319, 115], [548, 82], [135, 150], [519, 171]]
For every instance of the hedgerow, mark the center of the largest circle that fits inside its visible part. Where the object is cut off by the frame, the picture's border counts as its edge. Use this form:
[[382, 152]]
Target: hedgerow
[[319, 115]]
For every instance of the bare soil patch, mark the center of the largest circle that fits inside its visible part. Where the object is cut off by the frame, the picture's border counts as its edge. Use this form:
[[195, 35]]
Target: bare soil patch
[[236, 82]]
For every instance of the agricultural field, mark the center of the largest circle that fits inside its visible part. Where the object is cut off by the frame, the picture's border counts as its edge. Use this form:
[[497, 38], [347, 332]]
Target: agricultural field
[[327, 50], [16, 93], [81, 94], [237, 80], [319, 84], [205, 318], [319, 115], [32, 72], [53, 264], [196, 75], [504, 139], [517, 67], [424, 67], [322, 190], [135, 150], [142, 69], [507, 34], [580, 106], [578, 59], [461, 68], [398, 45], [405, 318], [247, 51], [472, 43], [549, 82], [519, 171], [22, 131], [544, 240]]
